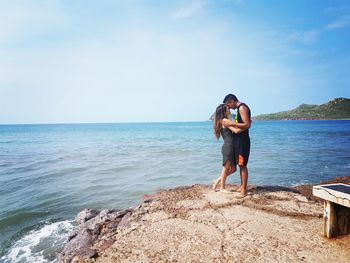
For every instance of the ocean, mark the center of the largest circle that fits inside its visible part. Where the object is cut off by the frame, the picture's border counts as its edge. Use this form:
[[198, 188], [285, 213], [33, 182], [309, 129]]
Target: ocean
[[48, 173]]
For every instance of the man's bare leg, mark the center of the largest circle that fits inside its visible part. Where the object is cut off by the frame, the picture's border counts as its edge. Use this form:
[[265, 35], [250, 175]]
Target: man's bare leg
[[244, 176], [240, 186]]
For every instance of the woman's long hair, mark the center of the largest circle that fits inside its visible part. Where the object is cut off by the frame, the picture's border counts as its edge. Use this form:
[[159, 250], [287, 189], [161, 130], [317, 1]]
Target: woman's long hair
[[220, 114]]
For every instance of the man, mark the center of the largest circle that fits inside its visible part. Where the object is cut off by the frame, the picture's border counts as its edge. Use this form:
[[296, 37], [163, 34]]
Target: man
[[241, 138]]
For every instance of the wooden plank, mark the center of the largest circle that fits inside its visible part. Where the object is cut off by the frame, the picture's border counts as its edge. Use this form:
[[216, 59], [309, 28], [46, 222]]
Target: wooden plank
[[332, 195], [330, 220], [343, 219]]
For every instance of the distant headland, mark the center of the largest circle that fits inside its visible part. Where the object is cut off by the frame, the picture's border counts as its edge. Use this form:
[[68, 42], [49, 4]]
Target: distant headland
[[338, 108]]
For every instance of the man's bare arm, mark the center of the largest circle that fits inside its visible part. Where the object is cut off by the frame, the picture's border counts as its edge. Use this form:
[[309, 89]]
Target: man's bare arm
[[227, 123], [236, 130], [245, 119]]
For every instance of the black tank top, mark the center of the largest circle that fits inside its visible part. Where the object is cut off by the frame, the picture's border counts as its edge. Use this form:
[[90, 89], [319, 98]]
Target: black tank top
[[238, 119]]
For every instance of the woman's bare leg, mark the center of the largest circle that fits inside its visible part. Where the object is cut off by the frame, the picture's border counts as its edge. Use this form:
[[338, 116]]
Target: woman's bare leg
[[218, 180], [232, 170], [224, 173], [216, 183]]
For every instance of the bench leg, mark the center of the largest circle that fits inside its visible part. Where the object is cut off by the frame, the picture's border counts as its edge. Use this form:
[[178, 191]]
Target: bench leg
[[329, 219]]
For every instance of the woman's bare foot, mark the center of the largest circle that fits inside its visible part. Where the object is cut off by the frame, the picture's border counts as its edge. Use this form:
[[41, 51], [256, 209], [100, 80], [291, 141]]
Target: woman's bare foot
[[216, 183], [225, 191]]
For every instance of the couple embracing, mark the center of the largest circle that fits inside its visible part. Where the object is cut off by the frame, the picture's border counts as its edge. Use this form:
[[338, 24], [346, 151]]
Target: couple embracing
[[236, 147]]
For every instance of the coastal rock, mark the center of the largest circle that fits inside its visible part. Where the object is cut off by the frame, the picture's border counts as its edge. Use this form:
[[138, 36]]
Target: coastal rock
[[90, 225], [196, 224], [79, 245], [124, 221], [86, 215]]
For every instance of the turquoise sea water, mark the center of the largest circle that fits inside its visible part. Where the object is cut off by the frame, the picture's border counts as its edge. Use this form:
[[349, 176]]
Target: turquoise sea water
[[48, 173]]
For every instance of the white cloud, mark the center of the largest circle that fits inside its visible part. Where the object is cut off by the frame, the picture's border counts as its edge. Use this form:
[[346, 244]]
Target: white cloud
[[311, 36], [190, 10], [337, 9], [343, 21], [306, 37]]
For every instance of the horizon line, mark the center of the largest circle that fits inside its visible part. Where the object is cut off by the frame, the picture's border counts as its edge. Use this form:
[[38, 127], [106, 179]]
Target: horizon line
[[72, 123], [158, 122]]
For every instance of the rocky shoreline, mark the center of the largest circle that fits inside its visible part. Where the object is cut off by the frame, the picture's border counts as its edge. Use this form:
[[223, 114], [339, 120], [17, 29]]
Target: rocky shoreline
[[196, 224]]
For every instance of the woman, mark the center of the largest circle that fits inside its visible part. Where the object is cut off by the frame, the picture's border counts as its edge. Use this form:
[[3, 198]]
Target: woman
[[229, 161]]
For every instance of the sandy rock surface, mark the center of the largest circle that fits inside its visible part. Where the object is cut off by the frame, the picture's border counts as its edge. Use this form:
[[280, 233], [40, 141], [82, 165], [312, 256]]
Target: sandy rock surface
[[196, 224]]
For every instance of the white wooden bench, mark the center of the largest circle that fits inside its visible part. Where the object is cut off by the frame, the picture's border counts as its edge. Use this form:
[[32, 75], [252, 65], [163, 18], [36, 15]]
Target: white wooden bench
[[336, 215]]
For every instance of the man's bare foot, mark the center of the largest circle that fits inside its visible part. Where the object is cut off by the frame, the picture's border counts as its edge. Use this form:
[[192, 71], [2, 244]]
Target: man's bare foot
[[225, 191], [239, 189], [242, 194]]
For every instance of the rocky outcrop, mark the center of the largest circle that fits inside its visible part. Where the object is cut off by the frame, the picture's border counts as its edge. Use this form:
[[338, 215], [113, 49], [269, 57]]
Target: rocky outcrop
[[91, 225], [196, 224]]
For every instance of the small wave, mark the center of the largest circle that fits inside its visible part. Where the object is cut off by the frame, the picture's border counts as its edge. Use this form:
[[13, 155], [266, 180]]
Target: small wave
[[41, 245], [8, 141], [300, 182]]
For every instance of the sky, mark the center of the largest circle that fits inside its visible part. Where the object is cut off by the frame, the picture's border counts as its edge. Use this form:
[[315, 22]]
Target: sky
[[79, 61]]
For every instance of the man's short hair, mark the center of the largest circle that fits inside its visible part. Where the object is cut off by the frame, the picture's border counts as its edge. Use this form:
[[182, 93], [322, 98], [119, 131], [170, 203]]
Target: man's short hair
[[230, 97]]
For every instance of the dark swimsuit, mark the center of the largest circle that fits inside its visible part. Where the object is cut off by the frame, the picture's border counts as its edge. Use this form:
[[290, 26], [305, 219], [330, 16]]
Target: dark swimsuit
[[242, 141], [227, 149]]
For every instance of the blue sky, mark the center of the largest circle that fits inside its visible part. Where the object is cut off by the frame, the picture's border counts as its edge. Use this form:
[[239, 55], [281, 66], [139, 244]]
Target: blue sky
[[132, 61]]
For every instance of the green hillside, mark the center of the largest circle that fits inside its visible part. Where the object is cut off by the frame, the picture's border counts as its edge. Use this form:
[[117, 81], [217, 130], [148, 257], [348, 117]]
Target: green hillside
[[338, 108]]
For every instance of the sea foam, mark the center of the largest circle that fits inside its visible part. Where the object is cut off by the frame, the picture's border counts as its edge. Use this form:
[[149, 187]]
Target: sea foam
[[40, 245]]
